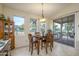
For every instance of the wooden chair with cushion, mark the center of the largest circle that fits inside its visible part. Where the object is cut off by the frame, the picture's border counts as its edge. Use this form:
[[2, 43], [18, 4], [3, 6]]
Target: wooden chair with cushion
[[37, 38], [33, 43], [49, 41], [43, 41]]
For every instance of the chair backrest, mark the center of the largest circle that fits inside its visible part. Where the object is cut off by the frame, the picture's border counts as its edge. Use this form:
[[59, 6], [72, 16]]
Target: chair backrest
[[30, 37], [49, 36], [37, 34]]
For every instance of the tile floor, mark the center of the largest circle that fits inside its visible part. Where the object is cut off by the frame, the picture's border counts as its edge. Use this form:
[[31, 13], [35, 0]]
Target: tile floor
[[58, 50]]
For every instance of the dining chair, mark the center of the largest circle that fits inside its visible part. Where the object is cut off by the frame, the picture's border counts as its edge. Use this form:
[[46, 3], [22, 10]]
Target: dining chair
[[43, 41], [33, 43], [48, 41], [37, 38]]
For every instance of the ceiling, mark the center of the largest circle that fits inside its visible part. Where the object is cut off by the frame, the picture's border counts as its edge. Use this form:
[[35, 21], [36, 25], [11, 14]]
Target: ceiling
[[36, 8]]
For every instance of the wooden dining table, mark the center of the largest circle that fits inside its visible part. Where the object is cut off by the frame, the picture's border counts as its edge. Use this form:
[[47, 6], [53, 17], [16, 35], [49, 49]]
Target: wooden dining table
[[39, 39]]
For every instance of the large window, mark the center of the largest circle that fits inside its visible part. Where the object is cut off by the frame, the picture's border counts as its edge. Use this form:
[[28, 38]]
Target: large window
[[64, 30], [43, 27], [57, 30]]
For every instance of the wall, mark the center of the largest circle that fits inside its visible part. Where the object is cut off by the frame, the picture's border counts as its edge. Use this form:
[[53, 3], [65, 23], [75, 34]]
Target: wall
[[1, 9], [68, 11], [77, 29], [50, 24]]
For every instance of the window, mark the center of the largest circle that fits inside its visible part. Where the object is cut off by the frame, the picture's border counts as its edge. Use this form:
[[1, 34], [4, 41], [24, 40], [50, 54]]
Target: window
[[33, 24], [19, 24], [64, 30], [43, 27], [20, 38]]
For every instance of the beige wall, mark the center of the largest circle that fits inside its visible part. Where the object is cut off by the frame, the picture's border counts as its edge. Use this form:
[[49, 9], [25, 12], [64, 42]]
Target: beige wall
[[77, 29], [1, 9]]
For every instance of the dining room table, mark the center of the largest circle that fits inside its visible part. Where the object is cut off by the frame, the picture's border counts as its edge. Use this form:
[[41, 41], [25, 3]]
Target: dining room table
[[39, 39]]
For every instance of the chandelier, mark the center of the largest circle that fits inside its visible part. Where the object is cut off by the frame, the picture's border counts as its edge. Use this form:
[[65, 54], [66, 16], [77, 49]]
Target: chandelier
[[43, 19]]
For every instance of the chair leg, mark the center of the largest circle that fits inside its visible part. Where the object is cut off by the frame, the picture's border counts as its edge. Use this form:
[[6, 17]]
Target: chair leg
[[29, 47], [51, 46], [38, 51], [32, 49], [46, 48], [35, 44], [41, 45], [6, 53], [38, 48]]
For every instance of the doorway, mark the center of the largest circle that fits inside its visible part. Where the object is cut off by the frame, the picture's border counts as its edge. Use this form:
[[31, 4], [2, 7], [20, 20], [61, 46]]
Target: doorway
[[20, 40]]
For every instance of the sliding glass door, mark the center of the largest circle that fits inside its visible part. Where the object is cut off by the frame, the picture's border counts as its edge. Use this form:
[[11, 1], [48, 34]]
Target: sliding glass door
[[64, 30], [57, 30]]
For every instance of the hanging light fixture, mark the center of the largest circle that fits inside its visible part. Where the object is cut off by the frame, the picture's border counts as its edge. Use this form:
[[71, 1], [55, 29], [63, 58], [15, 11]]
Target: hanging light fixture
[[43, 19]]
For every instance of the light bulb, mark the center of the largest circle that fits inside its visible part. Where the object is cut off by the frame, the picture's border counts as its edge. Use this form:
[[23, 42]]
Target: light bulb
[[42, 20]]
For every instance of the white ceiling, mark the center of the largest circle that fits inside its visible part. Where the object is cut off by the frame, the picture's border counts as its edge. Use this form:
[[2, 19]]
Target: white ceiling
[[35, 8]]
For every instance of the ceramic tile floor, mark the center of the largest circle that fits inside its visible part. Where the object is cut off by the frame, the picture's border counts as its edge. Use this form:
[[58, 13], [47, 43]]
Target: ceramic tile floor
[[58, 50]]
